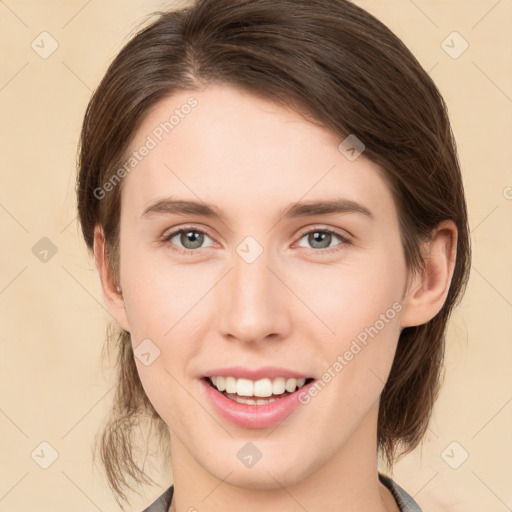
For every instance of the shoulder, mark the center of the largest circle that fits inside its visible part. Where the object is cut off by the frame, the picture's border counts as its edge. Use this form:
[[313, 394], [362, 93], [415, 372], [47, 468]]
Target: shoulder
[[162, 503], [404, 500]]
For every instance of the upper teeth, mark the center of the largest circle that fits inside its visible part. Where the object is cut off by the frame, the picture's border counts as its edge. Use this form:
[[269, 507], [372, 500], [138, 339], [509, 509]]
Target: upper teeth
[[262, 387]]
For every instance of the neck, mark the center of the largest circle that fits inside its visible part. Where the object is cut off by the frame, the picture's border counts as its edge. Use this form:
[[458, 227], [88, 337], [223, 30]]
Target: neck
[[347, 482]]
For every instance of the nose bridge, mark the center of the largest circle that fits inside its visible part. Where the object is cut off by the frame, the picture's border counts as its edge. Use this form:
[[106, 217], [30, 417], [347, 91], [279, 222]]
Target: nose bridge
[[252, 306]]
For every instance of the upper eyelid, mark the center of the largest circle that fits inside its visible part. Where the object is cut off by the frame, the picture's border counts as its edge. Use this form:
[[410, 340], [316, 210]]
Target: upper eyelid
[[173, 232], [335, 231]]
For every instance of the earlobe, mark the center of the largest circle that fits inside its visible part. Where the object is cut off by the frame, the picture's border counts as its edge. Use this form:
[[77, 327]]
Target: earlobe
[[428, 289], [112, 293]]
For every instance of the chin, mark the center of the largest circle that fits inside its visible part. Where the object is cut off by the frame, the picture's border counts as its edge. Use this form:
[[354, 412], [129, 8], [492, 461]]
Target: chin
[[270, 477], [278, 465]]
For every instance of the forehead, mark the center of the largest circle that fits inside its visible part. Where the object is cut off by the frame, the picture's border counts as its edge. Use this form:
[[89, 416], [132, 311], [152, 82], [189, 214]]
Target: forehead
[[232, 148]]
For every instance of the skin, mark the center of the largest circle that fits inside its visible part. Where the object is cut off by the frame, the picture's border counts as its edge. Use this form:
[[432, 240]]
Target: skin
[[291, 307]]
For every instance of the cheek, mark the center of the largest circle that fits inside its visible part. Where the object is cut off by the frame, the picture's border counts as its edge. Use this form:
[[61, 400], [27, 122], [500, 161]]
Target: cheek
[[354, 294], [159, 297], [361, 305], [159, 291], [170, 302]]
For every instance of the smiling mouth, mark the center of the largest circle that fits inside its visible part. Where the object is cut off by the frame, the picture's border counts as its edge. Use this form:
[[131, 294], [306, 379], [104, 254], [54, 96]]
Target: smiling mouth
[[260, 392]]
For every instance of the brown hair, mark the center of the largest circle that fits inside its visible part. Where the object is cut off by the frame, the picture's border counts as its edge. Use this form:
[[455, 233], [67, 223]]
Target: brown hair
[[336, 64]]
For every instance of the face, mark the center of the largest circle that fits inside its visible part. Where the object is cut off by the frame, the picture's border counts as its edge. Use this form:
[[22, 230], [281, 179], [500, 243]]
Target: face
[[265, 290]]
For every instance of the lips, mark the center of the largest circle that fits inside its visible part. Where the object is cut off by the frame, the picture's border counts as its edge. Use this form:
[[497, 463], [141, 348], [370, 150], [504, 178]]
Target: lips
[[256, 406]]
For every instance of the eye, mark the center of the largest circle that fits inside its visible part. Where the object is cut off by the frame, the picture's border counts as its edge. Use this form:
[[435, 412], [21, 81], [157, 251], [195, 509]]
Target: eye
[[187, 240], [319, 238]]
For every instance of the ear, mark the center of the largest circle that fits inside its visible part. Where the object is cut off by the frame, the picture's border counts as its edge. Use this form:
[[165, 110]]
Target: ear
[[112, 293], [427, 291]]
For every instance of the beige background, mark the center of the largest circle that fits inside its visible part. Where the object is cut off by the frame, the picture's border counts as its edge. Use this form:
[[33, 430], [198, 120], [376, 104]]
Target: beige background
[[53, 387]]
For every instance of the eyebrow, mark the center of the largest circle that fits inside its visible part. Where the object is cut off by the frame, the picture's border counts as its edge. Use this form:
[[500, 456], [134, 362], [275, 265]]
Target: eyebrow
[[301, 209]]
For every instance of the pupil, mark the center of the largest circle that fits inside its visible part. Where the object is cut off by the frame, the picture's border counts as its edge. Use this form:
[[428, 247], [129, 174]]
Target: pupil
[[192, 237], [319, 237]]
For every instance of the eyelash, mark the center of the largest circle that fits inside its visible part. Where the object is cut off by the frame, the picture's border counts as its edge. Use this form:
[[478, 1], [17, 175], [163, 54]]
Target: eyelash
[[343, 240]]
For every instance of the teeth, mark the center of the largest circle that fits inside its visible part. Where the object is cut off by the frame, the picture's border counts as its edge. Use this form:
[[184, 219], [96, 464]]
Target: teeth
[[220, 383], [279, 386], [230, 385], [252, 401], [260, 388], [291, 384]]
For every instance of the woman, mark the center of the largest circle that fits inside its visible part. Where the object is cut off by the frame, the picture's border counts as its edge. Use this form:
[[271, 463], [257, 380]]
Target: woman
[[273, 197]]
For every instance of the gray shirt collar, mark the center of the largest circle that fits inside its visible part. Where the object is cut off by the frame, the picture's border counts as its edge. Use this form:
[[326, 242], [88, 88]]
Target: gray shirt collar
[[404, 500]]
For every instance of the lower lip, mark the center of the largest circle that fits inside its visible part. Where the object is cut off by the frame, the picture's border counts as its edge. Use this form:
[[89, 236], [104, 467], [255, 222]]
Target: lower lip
[[254, 416]]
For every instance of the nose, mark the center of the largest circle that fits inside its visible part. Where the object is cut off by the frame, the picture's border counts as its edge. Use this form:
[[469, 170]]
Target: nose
[[253, 303]]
